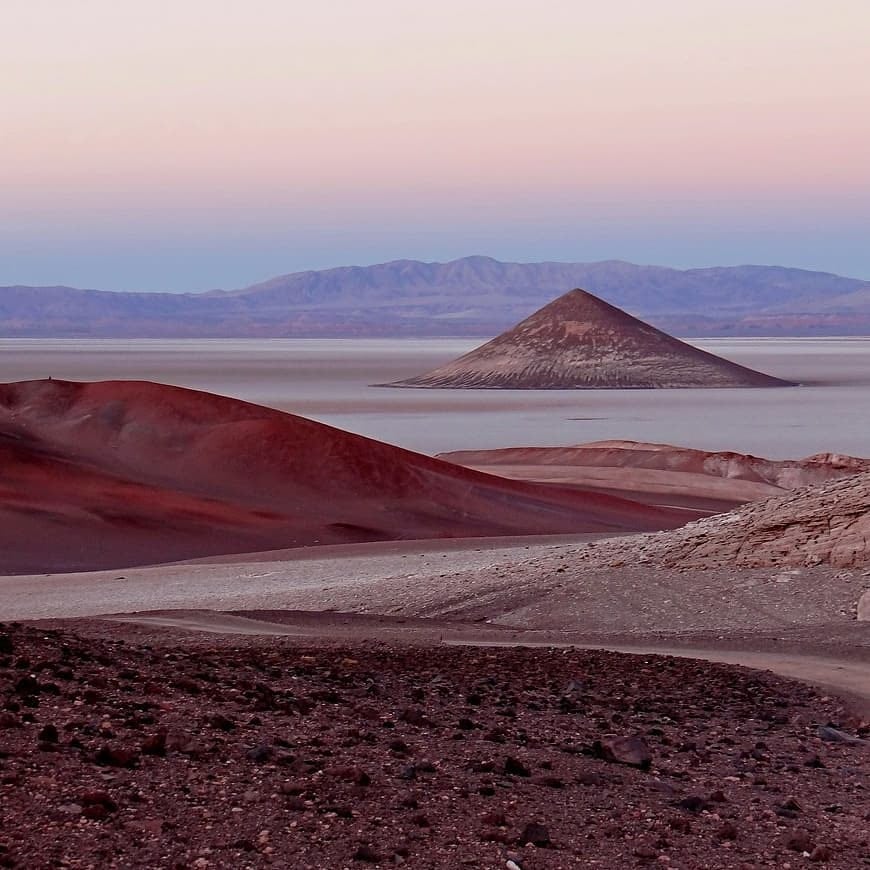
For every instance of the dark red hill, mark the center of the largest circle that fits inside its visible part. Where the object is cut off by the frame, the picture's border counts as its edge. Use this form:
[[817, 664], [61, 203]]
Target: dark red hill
[[98, 475]]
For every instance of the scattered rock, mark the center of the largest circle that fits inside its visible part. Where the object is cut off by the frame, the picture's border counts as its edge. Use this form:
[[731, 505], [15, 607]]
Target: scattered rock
[[116, 757], [515, 767], [835, 735], [48, 734], [631, 750], [536, 834], [800, 841], [366, 854], [155, 744], [694, 804], [261, 754], [330, 782], [727, 831], [821, 854]]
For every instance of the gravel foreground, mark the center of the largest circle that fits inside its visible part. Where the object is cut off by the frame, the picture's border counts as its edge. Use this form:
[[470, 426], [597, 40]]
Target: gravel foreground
[[160, 749]]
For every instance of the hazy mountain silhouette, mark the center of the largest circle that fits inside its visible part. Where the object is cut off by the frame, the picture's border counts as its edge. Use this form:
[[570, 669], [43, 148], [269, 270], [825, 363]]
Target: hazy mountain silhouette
[[581, 342], [470, 296]]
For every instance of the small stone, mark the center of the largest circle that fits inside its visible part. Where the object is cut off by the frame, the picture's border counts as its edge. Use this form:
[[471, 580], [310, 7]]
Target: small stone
[[550, 781], [821, 854], [221, 722], [536, 834], [260, 754], [645, 852], [574, 687], [414, 716], [800, 841], [95, 812], [367, 854], [834, 735], [515, 767], [107, 756], [590, 778], [791, 805], [728, 831], [101, 798], [155, 744], [27, 686], [693, 804], [349, 773], [48, 734], [630, 750]]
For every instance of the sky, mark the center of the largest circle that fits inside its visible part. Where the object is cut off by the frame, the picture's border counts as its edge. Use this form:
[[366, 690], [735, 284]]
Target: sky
[[194, 144]]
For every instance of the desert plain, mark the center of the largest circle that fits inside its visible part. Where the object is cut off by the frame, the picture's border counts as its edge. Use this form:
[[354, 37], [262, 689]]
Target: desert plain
[[691, 698]]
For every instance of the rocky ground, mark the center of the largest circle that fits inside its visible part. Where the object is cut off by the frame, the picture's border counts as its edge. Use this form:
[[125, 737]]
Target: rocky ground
[[142, 747], [827, 524]]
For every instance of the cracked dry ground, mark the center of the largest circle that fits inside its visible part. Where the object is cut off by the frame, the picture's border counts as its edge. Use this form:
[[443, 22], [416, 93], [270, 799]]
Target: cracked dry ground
[[173, 750]]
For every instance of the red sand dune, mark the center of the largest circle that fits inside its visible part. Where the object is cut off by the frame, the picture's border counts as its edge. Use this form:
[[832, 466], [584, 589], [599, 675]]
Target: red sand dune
[[100, 475], [661, 473]]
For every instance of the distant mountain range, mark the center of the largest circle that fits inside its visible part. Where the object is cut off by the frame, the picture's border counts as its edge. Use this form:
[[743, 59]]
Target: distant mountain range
[[473, 296]]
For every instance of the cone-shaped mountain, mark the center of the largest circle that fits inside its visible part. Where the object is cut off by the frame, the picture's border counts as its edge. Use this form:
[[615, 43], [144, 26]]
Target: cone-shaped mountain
[[580, 342]]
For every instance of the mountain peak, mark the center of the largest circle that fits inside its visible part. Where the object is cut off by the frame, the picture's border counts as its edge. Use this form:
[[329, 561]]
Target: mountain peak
[[579, 341]]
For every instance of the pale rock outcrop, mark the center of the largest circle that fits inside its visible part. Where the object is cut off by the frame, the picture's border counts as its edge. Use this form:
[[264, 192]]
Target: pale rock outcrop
[[827, 524]]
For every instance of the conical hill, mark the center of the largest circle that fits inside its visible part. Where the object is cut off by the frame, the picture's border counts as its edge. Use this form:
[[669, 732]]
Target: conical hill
[[581, 342]]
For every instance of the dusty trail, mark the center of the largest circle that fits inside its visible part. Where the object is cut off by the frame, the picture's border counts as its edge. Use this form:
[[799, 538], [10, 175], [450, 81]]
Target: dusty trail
[[312, 578], [840, 675]]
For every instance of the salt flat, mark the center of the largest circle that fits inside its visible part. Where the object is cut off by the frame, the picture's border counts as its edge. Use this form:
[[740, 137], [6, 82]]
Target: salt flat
[[328, 380]]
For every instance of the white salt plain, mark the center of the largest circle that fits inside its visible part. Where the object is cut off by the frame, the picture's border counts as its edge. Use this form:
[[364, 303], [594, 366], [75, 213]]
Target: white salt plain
[[329, 380]]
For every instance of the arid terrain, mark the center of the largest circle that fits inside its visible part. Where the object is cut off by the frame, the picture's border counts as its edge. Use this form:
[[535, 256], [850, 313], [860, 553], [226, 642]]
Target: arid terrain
[[696, 696], [434, 435], [152, 749], [661, 473], [124, 473], [580, 342], [440, 704]]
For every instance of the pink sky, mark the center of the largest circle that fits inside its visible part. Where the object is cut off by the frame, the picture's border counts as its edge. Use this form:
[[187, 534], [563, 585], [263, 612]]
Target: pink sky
[[313, 134]]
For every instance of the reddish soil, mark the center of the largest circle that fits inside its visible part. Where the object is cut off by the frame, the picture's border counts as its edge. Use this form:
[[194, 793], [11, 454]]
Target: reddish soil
[[661, 473], [145, 748], [113, 474]]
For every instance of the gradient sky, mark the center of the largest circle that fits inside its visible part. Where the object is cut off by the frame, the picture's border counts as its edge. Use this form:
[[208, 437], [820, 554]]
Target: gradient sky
[[191, 144]]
